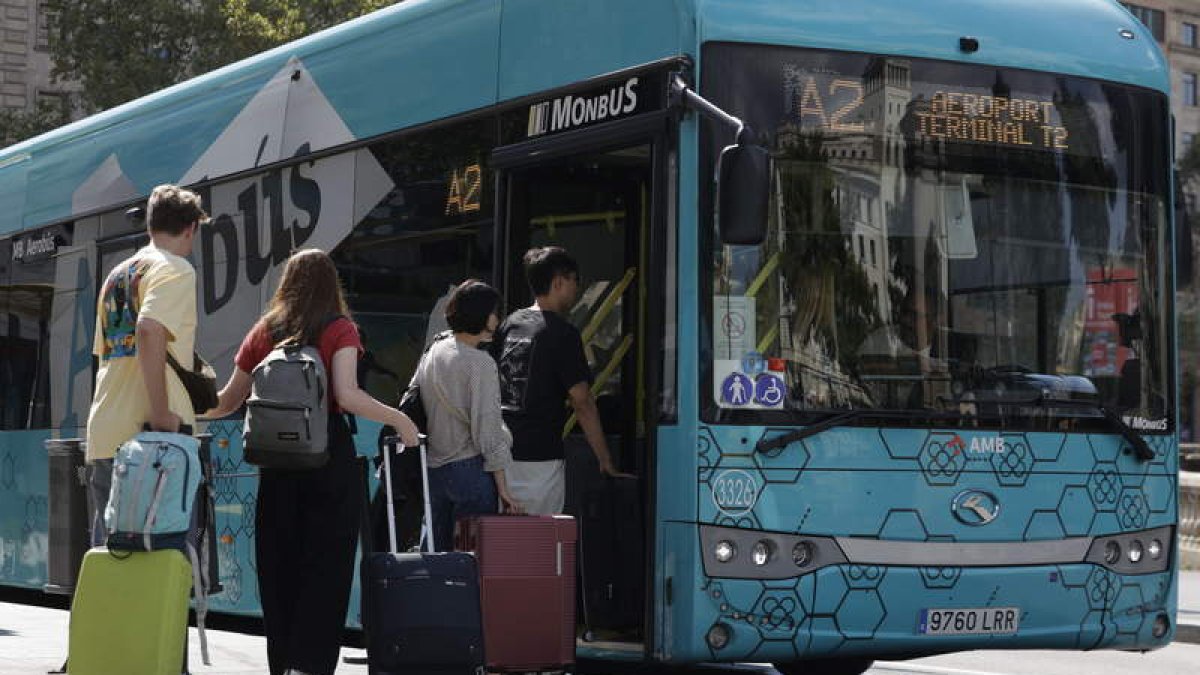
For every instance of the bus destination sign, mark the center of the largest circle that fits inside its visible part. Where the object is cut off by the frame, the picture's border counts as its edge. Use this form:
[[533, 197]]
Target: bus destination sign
[[996, 120], [41, 244], [839, 104]]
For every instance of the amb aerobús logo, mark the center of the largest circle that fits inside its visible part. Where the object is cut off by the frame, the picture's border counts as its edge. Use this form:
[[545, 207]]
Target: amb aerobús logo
[[979, 445]]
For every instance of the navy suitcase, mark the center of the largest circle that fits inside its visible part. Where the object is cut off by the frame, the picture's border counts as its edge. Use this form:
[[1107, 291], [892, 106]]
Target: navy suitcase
[[420, 611]]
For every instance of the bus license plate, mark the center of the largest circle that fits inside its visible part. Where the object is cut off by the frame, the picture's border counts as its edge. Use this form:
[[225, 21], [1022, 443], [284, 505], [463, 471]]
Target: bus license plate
[[970, 621]]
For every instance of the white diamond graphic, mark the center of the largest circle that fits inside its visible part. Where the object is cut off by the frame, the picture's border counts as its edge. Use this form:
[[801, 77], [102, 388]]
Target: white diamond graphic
[[258, 220], [107, 185]]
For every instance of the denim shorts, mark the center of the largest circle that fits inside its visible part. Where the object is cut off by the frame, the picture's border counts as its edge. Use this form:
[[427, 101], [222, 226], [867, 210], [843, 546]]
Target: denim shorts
[[456, 490]]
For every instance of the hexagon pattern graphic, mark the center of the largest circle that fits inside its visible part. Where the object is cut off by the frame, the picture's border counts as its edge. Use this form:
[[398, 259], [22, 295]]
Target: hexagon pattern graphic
[[940, 577], [1075, 510], [1012, 468], [235, 497], [863, 576], [1104, 485], [942, 458], [1118, 494], [1102, 587], [813, 612], [1132, 509]]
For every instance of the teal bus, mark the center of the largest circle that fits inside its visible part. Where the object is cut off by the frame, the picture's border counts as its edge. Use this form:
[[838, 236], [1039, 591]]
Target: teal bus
[[879, 296]]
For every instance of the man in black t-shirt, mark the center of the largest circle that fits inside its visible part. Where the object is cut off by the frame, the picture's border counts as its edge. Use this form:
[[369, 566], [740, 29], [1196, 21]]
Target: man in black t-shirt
[[542, 364]]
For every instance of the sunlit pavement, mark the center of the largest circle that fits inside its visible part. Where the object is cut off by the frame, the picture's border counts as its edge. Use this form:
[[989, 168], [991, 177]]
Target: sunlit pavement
[[33, 641]]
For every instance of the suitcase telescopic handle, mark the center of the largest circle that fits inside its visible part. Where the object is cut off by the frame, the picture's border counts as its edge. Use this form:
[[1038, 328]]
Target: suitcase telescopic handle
[[394, 444]]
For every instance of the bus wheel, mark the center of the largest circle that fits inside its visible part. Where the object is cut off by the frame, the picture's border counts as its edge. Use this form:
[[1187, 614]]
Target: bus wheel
[[845, 666]]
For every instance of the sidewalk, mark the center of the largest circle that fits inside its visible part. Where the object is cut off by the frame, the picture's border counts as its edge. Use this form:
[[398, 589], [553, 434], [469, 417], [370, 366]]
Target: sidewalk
[[33, 640], [1188, 618]]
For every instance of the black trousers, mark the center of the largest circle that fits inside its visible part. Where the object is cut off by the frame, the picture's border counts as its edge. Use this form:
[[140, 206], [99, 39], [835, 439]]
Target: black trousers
[[306, 532]]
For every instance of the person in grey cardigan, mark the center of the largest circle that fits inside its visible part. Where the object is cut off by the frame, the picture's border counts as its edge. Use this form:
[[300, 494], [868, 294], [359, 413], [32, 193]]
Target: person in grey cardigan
[[468, 447]]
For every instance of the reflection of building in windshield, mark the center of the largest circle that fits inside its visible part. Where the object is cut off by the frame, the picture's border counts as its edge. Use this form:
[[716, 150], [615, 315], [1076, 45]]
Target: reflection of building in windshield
[[892, 227], [936, 230]]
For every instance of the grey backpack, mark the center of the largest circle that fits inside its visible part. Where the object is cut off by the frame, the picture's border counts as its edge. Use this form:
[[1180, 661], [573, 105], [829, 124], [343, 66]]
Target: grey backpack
[[287, 413]]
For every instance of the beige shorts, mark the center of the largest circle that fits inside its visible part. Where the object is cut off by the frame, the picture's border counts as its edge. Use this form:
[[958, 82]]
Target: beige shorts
[[540, 487]]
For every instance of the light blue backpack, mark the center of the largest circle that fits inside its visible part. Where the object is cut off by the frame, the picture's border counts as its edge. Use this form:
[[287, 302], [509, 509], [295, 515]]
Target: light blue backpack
[[155, 478]]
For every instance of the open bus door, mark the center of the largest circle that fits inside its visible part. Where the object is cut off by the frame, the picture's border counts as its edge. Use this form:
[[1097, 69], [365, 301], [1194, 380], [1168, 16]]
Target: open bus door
[[598, 204]]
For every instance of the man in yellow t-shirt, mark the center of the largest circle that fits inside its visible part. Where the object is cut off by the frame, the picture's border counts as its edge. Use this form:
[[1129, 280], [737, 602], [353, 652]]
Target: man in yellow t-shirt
[[146, 307]]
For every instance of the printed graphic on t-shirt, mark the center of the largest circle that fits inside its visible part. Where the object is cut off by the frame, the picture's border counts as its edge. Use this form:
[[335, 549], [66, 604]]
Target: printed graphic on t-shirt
[[515, 365], [119, 317]]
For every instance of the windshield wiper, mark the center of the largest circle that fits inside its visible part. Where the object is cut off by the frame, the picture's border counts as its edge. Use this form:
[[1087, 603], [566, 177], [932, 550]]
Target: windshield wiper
[[1140, 447], [839, 418], [833, 420]]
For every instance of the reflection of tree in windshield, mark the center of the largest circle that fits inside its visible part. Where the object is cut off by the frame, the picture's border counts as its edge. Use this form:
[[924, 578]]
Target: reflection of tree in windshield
[[833, 304], [816, 255], [947, 237]]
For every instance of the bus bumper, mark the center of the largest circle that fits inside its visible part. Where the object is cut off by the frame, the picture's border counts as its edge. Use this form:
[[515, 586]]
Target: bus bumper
[[882, 611]]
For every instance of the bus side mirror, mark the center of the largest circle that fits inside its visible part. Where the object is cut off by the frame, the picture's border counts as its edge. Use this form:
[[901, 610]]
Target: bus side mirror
[[743, 181]]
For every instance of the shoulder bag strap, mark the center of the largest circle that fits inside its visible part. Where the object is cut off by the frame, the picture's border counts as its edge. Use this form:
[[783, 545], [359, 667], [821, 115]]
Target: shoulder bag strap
[[441, 394]]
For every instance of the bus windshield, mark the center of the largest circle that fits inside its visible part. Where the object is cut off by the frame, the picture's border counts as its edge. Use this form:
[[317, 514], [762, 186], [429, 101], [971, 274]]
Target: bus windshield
[[945, 238]]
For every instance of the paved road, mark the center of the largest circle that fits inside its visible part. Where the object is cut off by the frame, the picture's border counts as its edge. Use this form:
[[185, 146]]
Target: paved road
[[1177, 659], [33, 641]]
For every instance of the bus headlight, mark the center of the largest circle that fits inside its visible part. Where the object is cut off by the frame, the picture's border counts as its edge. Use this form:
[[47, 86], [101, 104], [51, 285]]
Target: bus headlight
[[1141, 552], [734, 553], [724, 551], [1155, 549], [802, 554], [1135, 551], [1112, 552], [761, 553], [1162, 625], [718, 636]]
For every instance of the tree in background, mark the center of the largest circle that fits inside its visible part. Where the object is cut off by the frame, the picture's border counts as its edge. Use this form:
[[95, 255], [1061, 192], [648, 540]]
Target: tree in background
[[254, 26], [1189, 163], [16, 125], [1188, 300], [119, 50]]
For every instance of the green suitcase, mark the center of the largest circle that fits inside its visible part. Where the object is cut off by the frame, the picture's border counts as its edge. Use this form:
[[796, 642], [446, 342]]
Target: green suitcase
[[129, 614]]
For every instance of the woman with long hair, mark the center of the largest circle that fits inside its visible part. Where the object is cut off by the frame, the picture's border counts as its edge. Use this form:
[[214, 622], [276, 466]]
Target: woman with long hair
[[306, 521]]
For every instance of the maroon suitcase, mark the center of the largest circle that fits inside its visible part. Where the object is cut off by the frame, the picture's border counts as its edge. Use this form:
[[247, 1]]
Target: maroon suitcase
[[527, 588]]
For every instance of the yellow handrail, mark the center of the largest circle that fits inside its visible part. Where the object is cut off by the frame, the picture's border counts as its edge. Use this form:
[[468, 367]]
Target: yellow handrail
[[765, 343], [756, 285], [603, 377], [609, 218], [607, 306]]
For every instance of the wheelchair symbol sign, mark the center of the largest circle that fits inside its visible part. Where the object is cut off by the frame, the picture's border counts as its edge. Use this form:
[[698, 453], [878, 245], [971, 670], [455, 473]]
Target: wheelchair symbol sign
[[770, 391]]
